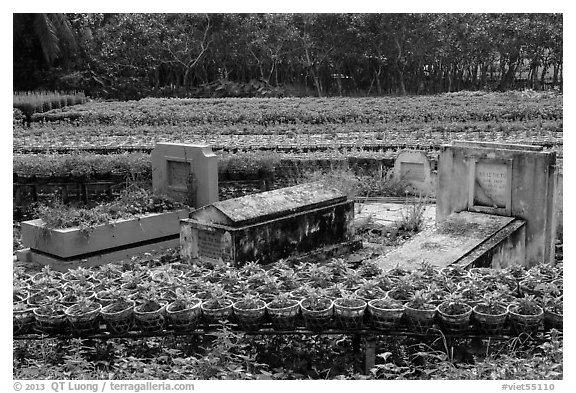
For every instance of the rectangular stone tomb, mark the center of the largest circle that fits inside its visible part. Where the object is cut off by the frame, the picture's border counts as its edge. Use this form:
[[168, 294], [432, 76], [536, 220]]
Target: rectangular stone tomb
[[502, 179], [72, 244], [466, 239], [267, 226]]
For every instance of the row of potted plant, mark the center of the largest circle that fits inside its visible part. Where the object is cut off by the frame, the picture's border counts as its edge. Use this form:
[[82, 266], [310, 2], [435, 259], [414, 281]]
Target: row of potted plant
[[176, 293]]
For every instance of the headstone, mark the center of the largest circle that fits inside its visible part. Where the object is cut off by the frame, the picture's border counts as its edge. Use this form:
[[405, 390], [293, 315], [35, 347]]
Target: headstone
[[267, 226], [187, 173], [413, 168], [502, 179]]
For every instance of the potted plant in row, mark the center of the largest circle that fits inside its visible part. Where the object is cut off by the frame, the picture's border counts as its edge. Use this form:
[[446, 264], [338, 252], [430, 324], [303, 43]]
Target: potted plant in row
[[22, 318], [118, 314], [249, 312], [490, 315], [525, 315], [349, 312], [420, 312], [283, 312], [150, 310], [553, 312], [84, 317], [217, 307], [454, 314], [50, 318], [317, 311], [184, 313], [385, 314]]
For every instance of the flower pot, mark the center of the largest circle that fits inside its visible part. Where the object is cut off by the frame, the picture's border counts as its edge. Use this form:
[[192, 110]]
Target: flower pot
[[119, 318], [384, 317], [553, 320], [250, 318], [491, 323], [284, 318], [454, 322], [419, 320], [150, 320], [51, 321], [349, 313], [22, 320], [84, 322], [521, 323], [317, 318], [184, 317], [214, 314]]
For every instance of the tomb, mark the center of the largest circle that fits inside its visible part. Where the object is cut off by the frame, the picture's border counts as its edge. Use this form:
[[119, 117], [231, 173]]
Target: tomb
[[495, 206], [268, 226]]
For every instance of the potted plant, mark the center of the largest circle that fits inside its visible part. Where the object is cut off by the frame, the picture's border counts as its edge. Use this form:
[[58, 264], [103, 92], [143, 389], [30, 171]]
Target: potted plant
[[525, 315], [532, 286], [184, 313], [385, 313], [300, 293], [490, 315], [84, 317], [269, 289], [352, 281], [454, 314], [317, 311], [403, 291], [420, 312], [472, 294], [50, 318], [249, 312], [150, 309], [369, 291], [45, 296], [349, 311], [397, 273], [217, 308], [369, 269], [22, 318], [118, 314], [553, 311], [79, 274], [283, 312]]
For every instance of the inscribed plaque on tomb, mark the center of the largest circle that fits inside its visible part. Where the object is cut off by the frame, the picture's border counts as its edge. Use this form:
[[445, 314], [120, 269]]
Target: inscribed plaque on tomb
[[491, 184], [209, 244], [412, 171], [178, 173]]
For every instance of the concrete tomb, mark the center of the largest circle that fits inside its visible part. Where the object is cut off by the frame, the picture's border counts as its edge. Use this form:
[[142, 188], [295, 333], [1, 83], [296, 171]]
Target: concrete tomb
[[495, 206], [502, 179], [267, 226]]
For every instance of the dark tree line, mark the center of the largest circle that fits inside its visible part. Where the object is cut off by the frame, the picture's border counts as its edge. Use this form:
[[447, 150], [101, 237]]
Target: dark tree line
[[136, 55]]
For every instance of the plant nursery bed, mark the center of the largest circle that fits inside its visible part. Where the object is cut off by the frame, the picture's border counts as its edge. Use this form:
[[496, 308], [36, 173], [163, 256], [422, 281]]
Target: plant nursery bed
[[73, 243]]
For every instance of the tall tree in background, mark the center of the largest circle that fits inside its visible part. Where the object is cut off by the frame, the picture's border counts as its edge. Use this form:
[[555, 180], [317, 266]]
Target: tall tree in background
[[40, 42]]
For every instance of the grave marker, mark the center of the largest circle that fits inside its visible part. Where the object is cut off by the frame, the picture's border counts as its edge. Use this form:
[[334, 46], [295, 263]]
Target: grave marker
[[413, 168], [187, 173]]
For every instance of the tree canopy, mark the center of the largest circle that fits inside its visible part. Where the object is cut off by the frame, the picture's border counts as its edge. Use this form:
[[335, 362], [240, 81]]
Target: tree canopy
[[135, 55]]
